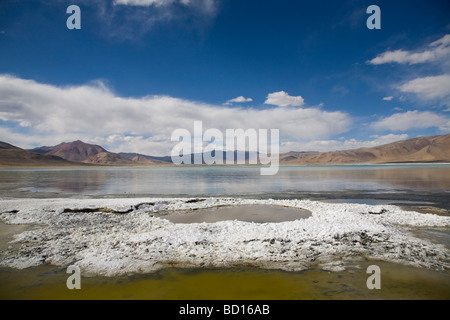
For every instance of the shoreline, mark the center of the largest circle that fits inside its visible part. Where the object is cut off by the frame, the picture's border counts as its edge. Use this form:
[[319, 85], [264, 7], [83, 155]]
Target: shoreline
[[171, 165]]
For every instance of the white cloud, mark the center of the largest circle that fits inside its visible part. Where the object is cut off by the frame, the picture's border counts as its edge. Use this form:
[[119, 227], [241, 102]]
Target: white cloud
[[435, 88], [428, 87], [412, 120], [439, 50], [388, 98], [148, 2], [444, 41], [283, 99], [133, 19], [336, 145], [137, 144], [20, 139], [94, 114], [401, 56], [239, 100], [204, 6], [385, 139]]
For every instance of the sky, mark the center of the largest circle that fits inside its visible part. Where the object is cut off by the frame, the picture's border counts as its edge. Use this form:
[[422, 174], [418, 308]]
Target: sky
[[139, 69]]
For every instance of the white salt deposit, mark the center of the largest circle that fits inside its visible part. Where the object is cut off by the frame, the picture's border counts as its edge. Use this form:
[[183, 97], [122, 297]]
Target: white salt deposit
[[119, 236]]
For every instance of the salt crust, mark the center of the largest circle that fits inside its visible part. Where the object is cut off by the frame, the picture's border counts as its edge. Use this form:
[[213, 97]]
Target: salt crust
[[122, 236]]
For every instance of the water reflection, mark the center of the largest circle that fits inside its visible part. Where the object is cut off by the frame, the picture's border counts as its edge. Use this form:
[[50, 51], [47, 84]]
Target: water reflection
[[221, 180], [371, 177]]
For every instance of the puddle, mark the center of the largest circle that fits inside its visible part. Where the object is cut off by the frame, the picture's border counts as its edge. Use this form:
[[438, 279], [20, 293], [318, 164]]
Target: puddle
[[247, 213]]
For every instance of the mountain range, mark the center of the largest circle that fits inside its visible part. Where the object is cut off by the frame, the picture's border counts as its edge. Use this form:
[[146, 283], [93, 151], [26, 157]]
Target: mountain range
[[432, 149], [78, 151], [14, 157]]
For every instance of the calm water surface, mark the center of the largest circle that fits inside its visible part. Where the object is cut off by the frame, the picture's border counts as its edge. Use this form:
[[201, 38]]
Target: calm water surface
[[215, 181], [398, 282]]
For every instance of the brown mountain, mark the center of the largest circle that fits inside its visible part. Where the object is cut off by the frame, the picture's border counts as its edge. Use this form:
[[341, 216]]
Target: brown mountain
[[432, 149], [80, 151], [13, 157], [77, 151], [7, 146], [293, 155], [142, 158]]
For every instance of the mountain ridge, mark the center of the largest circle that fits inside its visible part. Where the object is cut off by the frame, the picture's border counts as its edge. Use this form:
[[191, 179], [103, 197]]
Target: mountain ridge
[[428, 149], [79, 151], [15, 157]]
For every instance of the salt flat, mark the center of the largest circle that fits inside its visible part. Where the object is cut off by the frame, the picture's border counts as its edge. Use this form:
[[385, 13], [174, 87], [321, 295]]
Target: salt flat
[[120, 236]]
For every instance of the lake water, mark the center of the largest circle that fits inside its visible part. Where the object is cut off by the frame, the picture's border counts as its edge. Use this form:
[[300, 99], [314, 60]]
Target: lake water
[[398, 283], [222, 181]]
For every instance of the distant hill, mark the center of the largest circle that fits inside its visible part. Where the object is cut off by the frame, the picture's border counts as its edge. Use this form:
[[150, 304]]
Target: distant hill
[[80, 151], [142, 158], [432, 149], [293, 155], [7, 146], [13, 157], [73, 151]]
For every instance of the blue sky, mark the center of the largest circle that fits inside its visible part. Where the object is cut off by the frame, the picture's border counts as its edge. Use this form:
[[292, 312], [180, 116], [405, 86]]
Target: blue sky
[[139, 69]]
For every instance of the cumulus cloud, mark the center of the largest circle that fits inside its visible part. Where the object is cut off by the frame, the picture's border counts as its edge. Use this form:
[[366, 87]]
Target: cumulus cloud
[[239, 100], [283, 99], [435, 51], [435, 88], [413, 120], [95, 114], [388, 98], [428, 87]]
